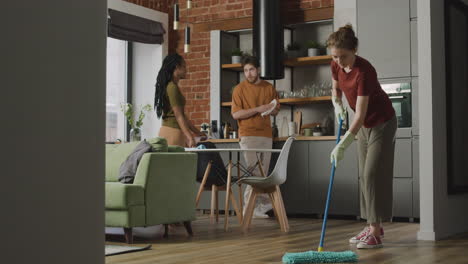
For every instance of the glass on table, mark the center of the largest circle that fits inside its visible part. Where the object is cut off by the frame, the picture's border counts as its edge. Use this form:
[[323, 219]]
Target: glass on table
[[281, 94]]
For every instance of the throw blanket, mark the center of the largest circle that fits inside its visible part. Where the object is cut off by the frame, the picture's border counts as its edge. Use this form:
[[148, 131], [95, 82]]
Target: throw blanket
[[129, 166]]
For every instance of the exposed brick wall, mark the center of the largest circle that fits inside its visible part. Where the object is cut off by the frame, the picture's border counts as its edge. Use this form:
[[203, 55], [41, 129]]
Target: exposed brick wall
[[196, 87], [159, 5]]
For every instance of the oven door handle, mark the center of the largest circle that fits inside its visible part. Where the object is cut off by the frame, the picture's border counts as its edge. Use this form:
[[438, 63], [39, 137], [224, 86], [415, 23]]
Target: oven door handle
[[397, 97]]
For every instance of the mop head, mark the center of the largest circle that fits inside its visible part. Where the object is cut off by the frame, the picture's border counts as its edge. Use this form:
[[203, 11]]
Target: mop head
[[320, 257]]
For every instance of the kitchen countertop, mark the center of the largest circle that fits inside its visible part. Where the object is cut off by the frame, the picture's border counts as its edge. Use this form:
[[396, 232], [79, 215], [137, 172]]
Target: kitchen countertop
[[300, 138]]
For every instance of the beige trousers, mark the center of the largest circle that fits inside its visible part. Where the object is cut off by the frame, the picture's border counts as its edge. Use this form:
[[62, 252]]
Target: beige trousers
[[376, 147], [174, 136], [263, 203]]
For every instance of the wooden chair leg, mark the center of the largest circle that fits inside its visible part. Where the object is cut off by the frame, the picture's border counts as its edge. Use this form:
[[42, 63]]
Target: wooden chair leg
[[216, 201], [286, 222], [228, 194], [273, 203], [188, 227], [236, 208], [249, 210], [202, 185], [279, 215], [128, 235], [213, 203], [241, 202]]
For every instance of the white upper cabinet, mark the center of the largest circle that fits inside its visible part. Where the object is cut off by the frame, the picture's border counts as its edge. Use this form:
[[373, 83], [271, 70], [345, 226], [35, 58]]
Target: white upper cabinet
[[383, 29], [413, 9]]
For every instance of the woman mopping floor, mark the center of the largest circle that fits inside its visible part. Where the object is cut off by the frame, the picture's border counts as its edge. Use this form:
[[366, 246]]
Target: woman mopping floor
[[375, 126]]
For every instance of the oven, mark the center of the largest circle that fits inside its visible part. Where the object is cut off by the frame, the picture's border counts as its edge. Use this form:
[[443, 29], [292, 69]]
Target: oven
[[400, 95]]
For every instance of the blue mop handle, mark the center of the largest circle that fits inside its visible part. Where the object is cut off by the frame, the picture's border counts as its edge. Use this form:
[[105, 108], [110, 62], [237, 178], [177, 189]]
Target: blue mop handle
[[330, 186]]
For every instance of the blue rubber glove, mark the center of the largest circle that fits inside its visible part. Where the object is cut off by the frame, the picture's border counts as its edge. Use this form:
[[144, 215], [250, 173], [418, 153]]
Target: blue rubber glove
[[340, 111], [338, 152]]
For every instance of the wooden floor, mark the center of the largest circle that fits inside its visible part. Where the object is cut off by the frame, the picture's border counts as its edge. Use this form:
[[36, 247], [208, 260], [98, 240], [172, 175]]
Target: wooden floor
[[265, 243]]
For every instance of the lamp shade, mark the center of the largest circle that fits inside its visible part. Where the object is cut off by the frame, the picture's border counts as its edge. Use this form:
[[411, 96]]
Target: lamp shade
[[176, 16], [268, 38]]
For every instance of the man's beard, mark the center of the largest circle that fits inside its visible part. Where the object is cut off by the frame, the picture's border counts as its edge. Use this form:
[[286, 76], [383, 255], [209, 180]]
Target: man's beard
[[254, 80]]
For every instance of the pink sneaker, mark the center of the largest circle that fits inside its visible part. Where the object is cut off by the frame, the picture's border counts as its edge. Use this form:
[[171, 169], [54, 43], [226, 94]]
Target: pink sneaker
[[369, 242], [357, 238]]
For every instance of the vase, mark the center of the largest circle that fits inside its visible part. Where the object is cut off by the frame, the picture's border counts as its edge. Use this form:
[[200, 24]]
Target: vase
[[236, 59], [135, 134], [313, 52]]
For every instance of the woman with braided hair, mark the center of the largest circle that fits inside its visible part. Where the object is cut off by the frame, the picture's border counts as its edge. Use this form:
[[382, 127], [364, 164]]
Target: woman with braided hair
[[169, 104]]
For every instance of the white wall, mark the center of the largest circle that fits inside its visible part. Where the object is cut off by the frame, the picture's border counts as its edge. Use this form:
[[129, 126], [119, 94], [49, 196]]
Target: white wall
[[147, 60], [53, 83], [442, 215]]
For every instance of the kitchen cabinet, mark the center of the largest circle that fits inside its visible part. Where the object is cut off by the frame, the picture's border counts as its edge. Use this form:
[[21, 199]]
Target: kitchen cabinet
[[306, 186], [345, 196], [402, 165], [403, 197], [403, 181], [383, 30], [413, 9], [295, 190]]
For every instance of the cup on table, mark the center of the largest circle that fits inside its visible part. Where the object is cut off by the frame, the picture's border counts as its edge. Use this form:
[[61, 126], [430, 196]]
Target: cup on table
[[308, 132]]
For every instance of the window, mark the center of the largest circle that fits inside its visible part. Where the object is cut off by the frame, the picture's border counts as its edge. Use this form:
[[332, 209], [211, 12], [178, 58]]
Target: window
[[116, 91]]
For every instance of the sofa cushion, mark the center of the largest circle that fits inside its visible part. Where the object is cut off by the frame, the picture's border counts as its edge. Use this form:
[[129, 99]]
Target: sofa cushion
[[123, 196], [158, 144]]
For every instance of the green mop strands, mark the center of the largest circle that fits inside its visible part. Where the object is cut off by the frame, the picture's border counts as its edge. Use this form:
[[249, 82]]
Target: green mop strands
[[321, 256]]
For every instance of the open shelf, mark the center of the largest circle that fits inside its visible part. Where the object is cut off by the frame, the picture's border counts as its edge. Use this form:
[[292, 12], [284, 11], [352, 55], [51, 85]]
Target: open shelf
[[304, 61], [294, 62], [306, 100], [294, 101], [233, 67]]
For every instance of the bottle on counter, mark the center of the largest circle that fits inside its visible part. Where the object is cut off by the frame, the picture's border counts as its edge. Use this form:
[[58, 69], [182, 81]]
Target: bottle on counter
[[226, 130], [221, 132], [284, 127], [274, 129], [291, 129]]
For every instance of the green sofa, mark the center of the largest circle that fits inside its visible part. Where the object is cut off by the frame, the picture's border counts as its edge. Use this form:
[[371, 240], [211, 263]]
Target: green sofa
[[163, 191]]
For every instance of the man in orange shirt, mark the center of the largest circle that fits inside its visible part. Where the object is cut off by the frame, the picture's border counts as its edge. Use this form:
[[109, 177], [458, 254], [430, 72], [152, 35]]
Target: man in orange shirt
[[250, 99]]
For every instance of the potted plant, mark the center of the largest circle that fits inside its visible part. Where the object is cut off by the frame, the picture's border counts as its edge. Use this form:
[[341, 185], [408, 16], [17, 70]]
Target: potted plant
[[129, 111], [313, 48], [236, 55], [293, 50]]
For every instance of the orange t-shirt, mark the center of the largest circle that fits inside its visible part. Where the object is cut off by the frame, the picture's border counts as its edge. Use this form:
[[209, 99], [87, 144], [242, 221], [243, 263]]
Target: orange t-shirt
[[247, 96]]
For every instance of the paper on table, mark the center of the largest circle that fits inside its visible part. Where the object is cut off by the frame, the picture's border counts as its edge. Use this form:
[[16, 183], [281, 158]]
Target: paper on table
[[274, 102]]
